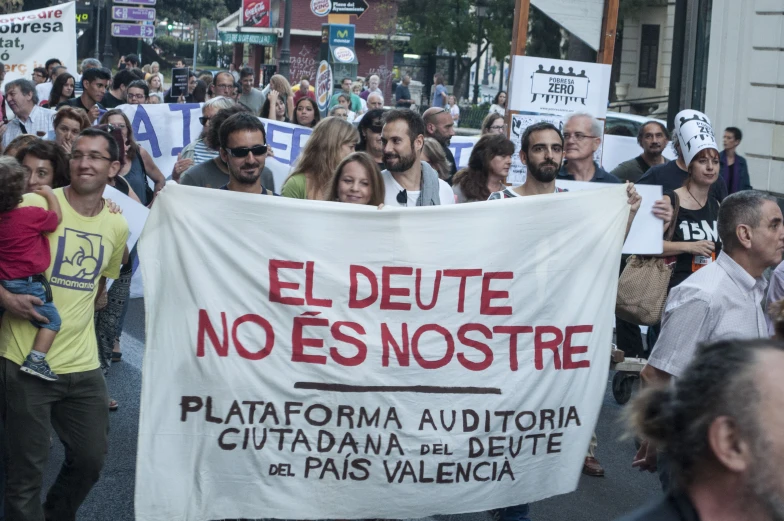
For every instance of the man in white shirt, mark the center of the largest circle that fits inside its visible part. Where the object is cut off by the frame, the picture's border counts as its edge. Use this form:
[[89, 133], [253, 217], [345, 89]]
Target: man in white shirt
[[30, 118], [408, 180], [721, 301]]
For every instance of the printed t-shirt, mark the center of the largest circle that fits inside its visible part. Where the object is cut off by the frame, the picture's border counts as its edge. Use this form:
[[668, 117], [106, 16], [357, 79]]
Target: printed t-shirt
[[693, 226], [83, 249], [24, 249]]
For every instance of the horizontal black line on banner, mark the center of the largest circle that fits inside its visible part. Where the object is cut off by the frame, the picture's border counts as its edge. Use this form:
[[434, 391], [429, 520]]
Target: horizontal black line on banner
[[424, 389]]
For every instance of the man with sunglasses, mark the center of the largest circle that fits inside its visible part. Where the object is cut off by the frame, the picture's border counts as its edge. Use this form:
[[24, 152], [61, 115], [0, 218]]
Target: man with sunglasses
[[214, 173], [243, 148], [88, 245], [440, 125]]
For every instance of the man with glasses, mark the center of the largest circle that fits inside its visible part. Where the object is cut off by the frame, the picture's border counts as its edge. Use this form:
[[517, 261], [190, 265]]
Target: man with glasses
[[223, 85], [440, 126], [214, 173], [95, 82], [40, 75], [582, 136], [243, 148], [87, 247], [137, 92]]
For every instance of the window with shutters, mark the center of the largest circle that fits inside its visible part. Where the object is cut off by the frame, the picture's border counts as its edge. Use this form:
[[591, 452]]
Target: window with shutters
[[649, 56]]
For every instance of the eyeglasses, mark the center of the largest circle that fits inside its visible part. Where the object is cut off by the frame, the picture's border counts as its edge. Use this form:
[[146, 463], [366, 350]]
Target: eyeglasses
[[578, 136], [256, 150], [497, 128], [203, 120], [76, 157], [376, 128], [136, 96], [121, 126], [402, 197]]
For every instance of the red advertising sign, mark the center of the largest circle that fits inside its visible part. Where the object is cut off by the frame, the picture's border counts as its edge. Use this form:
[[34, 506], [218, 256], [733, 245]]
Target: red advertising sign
[[256, 13]]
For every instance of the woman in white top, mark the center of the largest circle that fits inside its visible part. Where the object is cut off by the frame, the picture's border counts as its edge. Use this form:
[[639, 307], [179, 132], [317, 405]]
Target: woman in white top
[[499, 103]]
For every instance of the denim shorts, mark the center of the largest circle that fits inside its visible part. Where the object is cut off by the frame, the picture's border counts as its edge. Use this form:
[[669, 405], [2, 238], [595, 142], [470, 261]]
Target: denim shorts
[[28, 286]]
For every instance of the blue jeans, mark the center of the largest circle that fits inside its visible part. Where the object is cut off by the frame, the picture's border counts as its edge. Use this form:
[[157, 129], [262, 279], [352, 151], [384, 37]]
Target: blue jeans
[[28, 286], [515, 513]]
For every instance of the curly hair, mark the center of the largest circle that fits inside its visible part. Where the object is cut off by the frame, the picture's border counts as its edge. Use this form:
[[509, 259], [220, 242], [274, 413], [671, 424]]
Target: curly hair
[[473, 179], [49, 151], [13, 179]]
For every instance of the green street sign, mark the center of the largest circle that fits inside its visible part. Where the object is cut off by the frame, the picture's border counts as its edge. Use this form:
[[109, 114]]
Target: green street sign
[[266, 39]]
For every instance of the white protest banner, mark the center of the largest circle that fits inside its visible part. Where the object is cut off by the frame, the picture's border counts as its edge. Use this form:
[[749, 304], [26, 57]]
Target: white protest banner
[[645, 235], [559, 87], [414, 366], [29, 38]]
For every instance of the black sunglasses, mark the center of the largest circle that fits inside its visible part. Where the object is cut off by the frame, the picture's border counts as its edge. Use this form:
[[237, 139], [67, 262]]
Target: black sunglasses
[[256, 150], [402, 197], [203, 120]]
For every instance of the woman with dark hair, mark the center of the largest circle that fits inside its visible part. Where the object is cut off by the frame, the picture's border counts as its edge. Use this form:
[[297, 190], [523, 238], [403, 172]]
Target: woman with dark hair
[[62, 90], [46, 164], [487, 169], [140, 165], [493, 124], [370, 127], [357, 180], [18, 143], [200, 92], [274, 99], [499, 103], [306, 113]]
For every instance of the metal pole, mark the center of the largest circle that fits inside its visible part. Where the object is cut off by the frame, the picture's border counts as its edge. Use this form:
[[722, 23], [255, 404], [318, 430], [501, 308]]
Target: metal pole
[[285, 49], [501, 76], [108, 53], [478, 58], [195, 43], [97, 27]]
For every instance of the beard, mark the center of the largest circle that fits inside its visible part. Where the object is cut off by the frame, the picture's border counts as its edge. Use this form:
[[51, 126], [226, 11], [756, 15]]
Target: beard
[[544, 172], [762, 483], [402, 164], [245, 177], [444, 140]]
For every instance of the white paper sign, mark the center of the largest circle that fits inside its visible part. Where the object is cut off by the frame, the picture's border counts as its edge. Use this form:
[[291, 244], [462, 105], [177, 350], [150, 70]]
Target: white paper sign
[[646, 234], [135, 213], [390, 372], [32, 37], [559, 87]]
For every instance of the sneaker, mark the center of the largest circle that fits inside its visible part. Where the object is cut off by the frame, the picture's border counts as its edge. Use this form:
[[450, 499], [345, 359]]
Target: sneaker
[[40, 369]]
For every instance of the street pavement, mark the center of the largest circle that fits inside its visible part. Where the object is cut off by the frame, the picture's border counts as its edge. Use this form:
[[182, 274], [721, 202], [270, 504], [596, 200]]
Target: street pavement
[[596, 499]]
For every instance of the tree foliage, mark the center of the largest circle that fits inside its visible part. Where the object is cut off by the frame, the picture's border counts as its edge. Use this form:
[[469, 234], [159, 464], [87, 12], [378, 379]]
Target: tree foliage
[[189, 11]]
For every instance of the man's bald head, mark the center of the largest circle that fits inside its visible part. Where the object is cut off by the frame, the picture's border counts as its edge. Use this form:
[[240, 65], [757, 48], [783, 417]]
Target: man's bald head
[[439, 124], [375, 101]]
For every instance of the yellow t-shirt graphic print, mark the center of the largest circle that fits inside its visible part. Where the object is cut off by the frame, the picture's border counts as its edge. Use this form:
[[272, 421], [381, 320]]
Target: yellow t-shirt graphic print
[[83, 249]]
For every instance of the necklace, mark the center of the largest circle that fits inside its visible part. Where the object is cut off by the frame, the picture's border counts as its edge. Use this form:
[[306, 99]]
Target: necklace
[[702, 205]]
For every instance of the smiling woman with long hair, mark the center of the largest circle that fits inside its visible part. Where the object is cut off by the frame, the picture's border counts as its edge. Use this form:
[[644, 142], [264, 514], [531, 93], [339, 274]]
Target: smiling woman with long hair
[[332, 140], [357, 180]]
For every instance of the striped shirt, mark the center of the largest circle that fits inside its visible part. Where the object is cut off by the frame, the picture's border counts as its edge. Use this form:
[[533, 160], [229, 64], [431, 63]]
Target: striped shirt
[[39, 120], [201, 153]]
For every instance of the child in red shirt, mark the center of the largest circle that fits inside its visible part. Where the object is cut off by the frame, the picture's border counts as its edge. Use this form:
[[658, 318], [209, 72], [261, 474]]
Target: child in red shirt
[[25, 256]]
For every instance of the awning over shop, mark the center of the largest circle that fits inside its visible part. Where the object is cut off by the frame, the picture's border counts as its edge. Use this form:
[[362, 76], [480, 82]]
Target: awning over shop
[[266, 39], [342, 54]]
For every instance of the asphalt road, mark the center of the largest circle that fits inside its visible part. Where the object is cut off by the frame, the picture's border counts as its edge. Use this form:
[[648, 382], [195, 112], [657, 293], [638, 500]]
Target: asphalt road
[[597, 499]]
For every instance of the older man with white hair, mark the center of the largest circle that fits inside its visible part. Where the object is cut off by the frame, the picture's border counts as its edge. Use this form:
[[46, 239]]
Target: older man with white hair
[[582, 135], [197, 151], [373, 82]]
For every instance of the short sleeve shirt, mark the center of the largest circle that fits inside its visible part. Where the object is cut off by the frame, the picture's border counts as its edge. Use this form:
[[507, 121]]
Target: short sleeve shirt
[[24, 249], [82, 249]]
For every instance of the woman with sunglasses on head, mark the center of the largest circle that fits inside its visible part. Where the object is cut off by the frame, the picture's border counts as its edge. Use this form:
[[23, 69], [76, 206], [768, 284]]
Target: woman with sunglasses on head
[[139, 165], [357, 180], [370, 127], [493, 124], [306, 113], [331, 141]]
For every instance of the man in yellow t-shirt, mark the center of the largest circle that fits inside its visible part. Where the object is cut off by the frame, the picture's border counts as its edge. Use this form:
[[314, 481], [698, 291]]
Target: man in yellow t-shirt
[[88, 244]]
